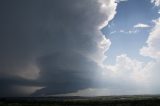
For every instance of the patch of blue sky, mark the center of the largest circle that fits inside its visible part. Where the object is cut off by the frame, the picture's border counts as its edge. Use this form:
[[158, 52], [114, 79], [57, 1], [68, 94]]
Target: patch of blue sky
[[124, 37]]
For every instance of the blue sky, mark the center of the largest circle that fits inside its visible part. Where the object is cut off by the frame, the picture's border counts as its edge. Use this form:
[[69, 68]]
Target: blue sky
[[130, 13]]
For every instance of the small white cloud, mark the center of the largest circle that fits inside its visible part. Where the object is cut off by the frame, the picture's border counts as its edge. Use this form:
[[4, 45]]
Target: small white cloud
[[122, 31], [140, 25], [132, 31], [129, 31], [113, 32], [118, 1]]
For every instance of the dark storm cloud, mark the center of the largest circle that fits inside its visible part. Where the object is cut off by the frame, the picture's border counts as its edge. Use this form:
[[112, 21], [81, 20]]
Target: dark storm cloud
[[9, 85], [58, 36], [67, 72]]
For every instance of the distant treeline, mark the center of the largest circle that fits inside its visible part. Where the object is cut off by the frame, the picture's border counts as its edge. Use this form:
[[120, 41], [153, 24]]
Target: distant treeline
[[83, 101]]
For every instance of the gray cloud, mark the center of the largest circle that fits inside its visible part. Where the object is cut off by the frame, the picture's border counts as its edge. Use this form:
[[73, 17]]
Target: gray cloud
[[10, 86], [62, 73], [57, 40]]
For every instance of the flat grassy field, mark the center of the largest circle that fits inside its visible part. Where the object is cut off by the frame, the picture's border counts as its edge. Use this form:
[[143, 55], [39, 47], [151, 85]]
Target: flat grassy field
[[146, 100]]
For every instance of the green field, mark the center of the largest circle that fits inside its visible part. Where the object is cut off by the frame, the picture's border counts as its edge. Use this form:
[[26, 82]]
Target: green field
[[83, 101]]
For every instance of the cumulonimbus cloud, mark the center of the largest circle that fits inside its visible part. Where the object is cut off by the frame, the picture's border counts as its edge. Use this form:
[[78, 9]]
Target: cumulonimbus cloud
[[60, 41]]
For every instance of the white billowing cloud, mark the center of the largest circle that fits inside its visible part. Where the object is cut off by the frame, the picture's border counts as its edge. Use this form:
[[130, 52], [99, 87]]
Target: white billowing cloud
[[153, 43], [107, 11], [131, 76], [104, 46], [108, 7], [140, 25], [152, 69], [127, 68], [156, 2]]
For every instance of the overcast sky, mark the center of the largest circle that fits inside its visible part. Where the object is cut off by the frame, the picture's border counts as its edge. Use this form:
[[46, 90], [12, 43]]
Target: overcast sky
[[79, 47]]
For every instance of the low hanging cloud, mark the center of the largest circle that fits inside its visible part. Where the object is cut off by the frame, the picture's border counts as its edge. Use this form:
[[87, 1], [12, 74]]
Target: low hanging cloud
[[52, 46]]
